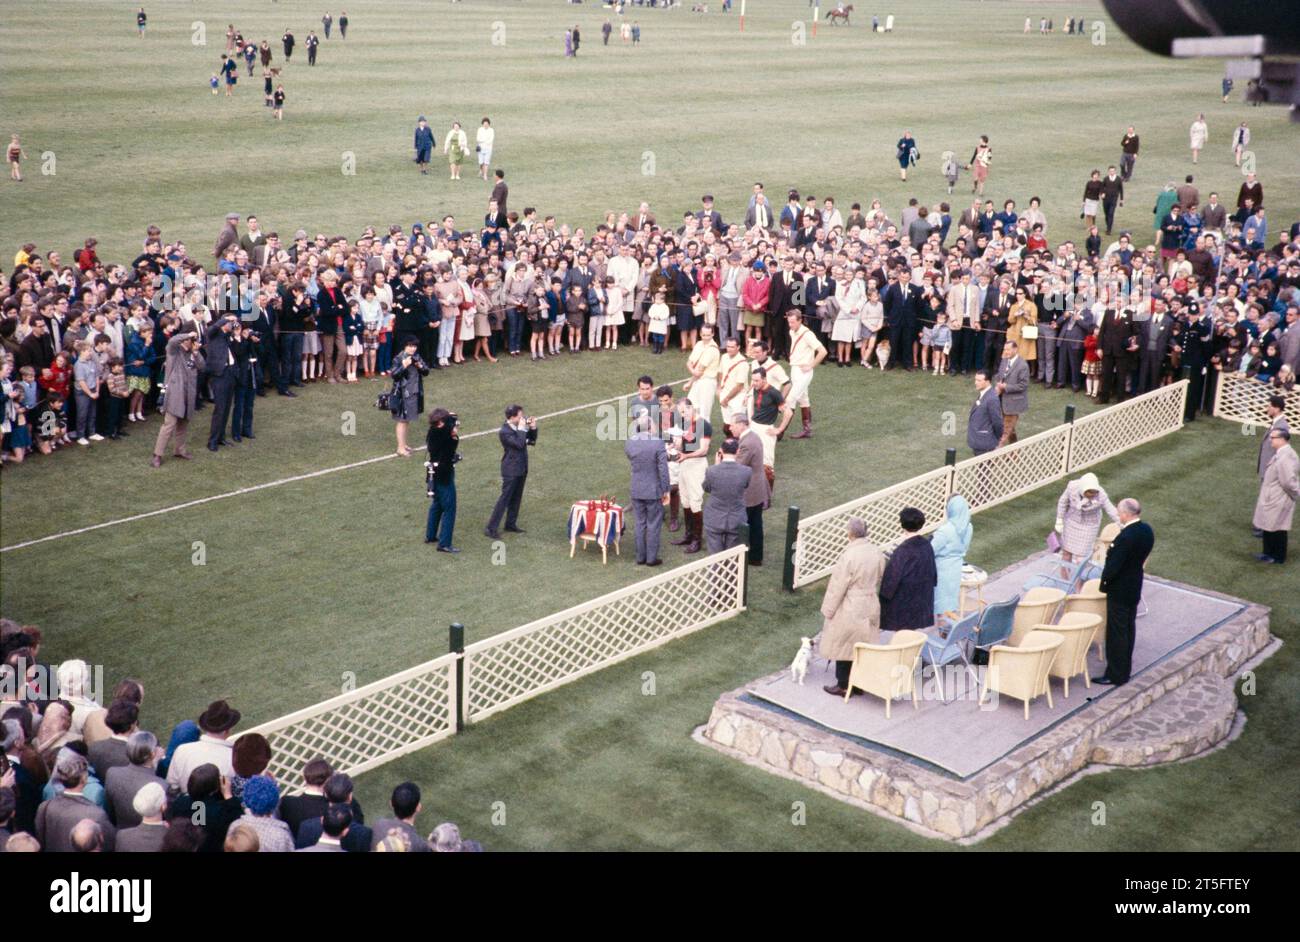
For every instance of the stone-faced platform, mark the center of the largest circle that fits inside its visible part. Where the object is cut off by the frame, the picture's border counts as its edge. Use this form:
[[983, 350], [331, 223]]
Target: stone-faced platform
[[1178, 706]]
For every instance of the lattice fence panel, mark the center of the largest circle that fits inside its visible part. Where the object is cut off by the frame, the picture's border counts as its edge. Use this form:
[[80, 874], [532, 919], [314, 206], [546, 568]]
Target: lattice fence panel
[[822, 537], [367, 726], [1241, 399], [1109, 432], [512, 667], [1008, 472]]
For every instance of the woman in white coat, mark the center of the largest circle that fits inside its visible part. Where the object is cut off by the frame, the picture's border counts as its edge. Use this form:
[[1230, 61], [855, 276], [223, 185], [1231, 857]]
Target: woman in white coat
[[1078, 517], [1240, 141], [1199, 134]]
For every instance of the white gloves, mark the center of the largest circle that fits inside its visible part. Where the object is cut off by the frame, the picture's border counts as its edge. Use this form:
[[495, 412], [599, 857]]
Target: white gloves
[[1060, 524]]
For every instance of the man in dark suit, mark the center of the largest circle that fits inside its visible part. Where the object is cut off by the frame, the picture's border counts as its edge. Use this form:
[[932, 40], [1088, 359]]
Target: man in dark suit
[[1073, 329], [759, 489], [997, 302], [516, 435], [984, 427], [649, 492], [1121, 580], [724, 512], [759, 214], [708, 216], [818, 288], [219, 366], [903, 308], [1153, 346], [1198, 338], [781, 299], [1118, 345], [1112, 195]]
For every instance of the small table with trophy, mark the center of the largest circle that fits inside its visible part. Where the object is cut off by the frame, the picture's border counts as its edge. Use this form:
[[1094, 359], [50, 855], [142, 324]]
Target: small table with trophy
[[597, 521]]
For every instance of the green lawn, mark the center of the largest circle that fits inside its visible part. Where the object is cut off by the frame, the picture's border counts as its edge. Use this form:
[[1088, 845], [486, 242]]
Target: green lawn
[[306, 582]]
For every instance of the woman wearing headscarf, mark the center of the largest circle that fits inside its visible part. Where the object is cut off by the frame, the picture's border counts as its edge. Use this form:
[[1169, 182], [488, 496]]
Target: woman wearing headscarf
[[1078, 516], [950, 543]]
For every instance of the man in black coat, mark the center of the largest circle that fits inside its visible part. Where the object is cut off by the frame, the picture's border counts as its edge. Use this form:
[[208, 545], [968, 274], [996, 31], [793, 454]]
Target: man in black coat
[[442, 440], [1198, 338], [219, 367], [1118, 346], [997, 302], [907, 587], [431, 322], [783, 296], [1112, 195], [516, 435], [1121, 580], [903, 307]]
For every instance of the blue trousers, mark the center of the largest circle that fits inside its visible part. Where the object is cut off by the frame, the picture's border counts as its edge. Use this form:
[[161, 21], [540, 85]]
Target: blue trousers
[[514, 329], [290, 359], [442, 515], [384, 354]]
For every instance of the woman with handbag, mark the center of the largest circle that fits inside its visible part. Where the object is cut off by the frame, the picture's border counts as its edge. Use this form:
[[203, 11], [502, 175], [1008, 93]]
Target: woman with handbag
[[406, 399], [1022, 327]]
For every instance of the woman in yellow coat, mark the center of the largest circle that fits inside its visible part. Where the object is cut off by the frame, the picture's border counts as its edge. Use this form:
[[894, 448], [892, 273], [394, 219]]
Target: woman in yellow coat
[[1023, 313], [851, 606]]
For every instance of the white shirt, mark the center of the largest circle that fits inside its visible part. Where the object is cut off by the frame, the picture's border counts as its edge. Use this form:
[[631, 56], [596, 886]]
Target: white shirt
[[485, 137], [220, 752]]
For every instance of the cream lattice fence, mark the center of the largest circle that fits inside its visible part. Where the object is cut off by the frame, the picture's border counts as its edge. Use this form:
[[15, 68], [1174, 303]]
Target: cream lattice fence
[[368, 726], [822, 536], [1005, 473], [987, 480], [1111, 431], [1245, 400], [512, 667]]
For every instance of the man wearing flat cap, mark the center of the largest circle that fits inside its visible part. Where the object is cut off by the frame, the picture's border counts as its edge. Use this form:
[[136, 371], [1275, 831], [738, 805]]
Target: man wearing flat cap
[[229, 236], [214, 746]]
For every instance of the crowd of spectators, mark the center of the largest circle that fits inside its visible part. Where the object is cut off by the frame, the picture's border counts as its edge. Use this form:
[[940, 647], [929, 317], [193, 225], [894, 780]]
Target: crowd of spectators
[[78, 776]]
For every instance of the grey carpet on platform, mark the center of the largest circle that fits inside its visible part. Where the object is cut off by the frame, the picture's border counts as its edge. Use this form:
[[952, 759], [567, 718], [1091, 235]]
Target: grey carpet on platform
[[963, 738]]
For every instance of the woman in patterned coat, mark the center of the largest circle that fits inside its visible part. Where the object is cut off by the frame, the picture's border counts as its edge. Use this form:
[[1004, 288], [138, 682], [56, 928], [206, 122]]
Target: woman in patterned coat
[[1078, 517]]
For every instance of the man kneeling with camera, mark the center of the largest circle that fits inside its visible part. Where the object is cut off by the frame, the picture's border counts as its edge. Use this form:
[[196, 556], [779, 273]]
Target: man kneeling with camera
[[440, 478]]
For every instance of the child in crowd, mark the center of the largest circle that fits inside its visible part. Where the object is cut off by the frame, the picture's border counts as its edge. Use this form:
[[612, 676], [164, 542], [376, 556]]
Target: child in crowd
[[353, 328], [950, 169], [268, 88], [86, 374], [615, 301], [1091, 365], [140, 360], [555, 317], [50, 423], [597, 299], [941, 339], [118, 390], [15, 434], [657, 317], [57, 377], [927, 343], [31, 391], [278, 102], [575, 312], [372, 314], [214, 83]]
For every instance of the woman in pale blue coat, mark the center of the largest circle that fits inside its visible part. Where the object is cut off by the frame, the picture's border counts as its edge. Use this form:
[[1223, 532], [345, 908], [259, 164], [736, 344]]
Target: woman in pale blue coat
[[950, 543]]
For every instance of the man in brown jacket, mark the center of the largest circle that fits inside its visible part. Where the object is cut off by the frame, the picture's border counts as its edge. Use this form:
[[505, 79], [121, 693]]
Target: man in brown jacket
[[181, 378], [758, 491], [851, 606]]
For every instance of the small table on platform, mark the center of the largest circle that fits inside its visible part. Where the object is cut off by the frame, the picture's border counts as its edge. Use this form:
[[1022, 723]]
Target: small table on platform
[[973, 579]]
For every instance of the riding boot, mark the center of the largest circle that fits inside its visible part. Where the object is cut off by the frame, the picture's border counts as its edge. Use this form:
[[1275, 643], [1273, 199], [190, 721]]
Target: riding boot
[[806, 413], [686, 530], [674, 505], [696, 527]]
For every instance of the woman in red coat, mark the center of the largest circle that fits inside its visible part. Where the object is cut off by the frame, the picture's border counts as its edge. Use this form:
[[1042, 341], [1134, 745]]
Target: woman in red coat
[[753, 302]]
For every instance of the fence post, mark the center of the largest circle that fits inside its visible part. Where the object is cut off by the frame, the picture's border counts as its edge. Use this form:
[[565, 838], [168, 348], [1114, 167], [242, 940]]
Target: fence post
[[456, 645], [744, 576], [1069, 438], [791, 536]]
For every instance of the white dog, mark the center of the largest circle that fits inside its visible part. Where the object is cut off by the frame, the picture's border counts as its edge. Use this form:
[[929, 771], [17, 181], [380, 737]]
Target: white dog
[[799, 666]]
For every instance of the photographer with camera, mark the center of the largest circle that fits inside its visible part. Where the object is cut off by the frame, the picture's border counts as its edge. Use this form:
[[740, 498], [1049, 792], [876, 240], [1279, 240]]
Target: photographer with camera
[[516, 435], [219, 367], [245, 344], [406, 399], [440, 477]]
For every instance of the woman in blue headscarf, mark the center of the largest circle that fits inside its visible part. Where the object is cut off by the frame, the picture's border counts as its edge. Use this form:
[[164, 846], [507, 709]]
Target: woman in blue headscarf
[[950, 543], [186, 731]]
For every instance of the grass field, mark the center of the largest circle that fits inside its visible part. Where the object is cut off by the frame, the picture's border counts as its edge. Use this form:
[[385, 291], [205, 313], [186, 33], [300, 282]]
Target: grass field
[[311, 579]]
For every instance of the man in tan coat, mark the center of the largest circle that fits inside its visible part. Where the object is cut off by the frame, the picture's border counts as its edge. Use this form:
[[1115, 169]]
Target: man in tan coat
[[851, 605], [1277, 497]]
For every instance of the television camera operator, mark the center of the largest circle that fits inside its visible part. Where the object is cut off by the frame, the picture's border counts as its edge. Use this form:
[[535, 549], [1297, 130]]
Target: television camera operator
[[440, 478]]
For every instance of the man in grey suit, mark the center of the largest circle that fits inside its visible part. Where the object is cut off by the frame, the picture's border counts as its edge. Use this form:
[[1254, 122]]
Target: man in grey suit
[[1072, 330], [146, 835], [759, 491], [58, 818], [984, 427], [1013, 387], [724, 512], [1153, 338], [124, 782], [649, 459]]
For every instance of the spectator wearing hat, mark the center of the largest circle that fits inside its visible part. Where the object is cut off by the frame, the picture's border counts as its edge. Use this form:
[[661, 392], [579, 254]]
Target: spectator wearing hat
[[1278, 492], [124, 782], [214, 745], [250, 756], [908, 583], [181, 378], [406, 805], [58, 818], [147, 836], [261, 798], [228, 237]]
